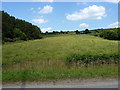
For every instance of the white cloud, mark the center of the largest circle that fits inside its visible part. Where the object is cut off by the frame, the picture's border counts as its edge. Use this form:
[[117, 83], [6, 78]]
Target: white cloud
[[84, 25], [39, 21], [91, 12], [31, 8], [39, 8], [46, 9], [46, 29], [114, 25]]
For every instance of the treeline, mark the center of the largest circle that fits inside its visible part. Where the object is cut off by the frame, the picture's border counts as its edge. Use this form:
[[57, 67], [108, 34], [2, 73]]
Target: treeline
[[86, 31], [110, 34], [55, 32], [15, 29]]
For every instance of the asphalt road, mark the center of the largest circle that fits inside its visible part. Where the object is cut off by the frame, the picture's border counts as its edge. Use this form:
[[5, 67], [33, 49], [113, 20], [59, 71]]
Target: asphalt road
[[76, 83]]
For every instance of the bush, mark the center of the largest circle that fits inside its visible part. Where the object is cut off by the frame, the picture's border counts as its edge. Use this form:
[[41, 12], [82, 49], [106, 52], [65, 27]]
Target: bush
[[110, 34], [97, 34], [95, 59]]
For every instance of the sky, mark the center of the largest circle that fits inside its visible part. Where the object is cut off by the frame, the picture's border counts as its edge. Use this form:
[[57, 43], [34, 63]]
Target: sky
[[65, 16]]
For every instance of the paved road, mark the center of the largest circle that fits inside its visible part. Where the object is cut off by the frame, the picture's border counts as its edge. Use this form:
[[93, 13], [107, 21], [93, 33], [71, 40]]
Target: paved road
[[110, 83]]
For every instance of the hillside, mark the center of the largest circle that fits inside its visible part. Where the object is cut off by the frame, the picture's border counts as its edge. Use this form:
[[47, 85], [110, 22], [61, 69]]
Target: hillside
[[46, 58]]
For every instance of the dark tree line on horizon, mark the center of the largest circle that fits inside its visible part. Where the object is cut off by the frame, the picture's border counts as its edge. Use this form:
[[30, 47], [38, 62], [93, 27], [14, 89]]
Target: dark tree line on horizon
[[86, 31]]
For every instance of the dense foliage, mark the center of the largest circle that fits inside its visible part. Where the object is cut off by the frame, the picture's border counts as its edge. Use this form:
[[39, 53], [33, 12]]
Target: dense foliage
[[112, 34], [15, 29]]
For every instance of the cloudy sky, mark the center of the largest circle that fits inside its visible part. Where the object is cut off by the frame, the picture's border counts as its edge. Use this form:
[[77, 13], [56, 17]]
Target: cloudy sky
[[65, 16]]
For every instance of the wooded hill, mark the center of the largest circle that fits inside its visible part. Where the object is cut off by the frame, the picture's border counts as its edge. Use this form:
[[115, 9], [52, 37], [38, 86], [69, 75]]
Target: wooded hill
[[14, 29]]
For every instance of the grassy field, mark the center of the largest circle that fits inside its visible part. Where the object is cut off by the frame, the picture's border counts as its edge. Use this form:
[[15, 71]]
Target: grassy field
[[44, 59]]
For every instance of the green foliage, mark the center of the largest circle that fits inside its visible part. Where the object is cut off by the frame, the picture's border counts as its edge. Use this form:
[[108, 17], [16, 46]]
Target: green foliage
[[15, 28], [77, 32], [94, 59], [55, 32], [110, 34], [19, 34], [86, 31], [96, 34]]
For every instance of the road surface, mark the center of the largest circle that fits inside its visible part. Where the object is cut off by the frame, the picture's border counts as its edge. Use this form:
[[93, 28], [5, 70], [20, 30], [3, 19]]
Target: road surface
[[71, 83]]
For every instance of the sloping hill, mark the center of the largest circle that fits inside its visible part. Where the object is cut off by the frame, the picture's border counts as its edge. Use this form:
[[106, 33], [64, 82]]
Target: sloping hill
[[45, 58]]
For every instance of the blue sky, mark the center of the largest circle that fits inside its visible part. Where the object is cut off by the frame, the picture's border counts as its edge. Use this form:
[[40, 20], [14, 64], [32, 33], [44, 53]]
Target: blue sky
[[65, 16]]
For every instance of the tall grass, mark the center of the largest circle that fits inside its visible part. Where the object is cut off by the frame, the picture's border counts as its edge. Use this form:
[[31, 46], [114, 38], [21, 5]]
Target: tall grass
[[57, 48], [45, 58], [55, 72]]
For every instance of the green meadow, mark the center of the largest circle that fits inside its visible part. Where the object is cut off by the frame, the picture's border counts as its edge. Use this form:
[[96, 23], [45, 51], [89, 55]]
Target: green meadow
[[45, 59]]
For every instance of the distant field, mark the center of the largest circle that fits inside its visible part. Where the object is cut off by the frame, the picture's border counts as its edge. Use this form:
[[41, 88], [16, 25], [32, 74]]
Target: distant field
[[45, 58]]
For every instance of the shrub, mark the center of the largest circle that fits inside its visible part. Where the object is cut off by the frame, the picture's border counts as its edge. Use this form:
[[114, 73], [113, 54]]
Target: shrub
[[95, 59], [110, 34], [96, 34]]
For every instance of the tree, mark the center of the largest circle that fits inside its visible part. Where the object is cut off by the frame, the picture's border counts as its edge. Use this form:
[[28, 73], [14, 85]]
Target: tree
[[77, 32], [86, 31], [46, 32], [61, 32], [17, 33], [54, 32], [17, 28]]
